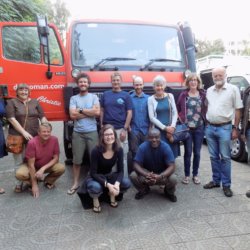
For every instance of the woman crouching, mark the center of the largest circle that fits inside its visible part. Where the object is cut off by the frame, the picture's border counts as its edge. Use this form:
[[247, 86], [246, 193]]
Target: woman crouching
[[106, 171]]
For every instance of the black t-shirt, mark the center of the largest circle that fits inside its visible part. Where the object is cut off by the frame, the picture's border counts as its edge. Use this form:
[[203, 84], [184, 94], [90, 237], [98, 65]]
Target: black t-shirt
[[101, 166]]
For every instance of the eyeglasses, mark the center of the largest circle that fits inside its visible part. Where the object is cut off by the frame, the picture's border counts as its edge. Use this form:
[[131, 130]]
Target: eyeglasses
[[106, 135]]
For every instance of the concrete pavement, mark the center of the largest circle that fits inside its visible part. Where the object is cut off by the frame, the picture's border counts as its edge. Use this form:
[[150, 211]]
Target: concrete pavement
[[200, 219]]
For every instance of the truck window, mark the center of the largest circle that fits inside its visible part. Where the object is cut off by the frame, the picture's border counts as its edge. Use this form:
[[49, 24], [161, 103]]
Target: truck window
[[22, 43], [92, 42], [55, 52], [238, 81]]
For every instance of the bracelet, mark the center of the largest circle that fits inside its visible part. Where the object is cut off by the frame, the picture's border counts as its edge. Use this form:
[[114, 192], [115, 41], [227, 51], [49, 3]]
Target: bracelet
[[234, 127]]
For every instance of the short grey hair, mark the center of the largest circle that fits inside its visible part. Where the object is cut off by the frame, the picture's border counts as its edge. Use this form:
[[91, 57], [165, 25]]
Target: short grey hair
[[46, 125], [160, 80], [137, 78], [22, 86]]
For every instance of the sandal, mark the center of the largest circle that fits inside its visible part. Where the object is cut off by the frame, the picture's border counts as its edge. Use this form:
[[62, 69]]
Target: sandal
[[18, 188], [2, 191], [196, 180], [49, 186], [113, 204], [185, 180], [72, 190], [97, 209]]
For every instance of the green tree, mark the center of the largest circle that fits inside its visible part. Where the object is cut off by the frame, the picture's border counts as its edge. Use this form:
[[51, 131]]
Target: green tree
[[246, 48], [206, 47], [23, 10], [59, 16]]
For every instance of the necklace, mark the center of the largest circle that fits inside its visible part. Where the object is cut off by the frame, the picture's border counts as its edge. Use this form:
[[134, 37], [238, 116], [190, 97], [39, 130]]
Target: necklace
[[160, 97], [193, 94]]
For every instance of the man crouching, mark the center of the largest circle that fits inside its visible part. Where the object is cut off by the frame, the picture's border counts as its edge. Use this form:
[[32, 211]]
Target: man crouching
[[41, 157], [154, 165]]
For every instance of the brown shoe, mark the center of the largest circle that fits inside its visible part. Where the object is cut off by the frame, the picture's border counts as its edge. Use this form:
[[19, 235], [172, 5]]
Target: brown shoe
[[227, 191], [248, 194], [211, 184]]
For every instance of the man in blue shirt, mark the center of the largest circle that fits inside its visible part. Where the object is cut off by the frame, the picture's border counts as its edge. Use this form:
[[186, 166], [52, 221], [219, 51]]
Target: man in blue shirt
[[140, 119], [154, 164], [116, 109]]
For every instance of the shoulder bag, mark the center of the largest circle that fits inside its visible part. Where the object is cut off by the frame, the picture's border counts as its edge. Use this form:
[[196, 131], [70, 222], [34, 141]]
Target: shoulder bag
[[15, 143], [181, 132]]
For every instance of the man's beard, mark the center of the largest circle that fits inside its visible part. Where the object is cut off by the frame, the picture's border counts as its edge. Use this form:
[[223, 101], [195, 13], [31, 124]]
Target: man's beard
[[84, 90], [219, 83]]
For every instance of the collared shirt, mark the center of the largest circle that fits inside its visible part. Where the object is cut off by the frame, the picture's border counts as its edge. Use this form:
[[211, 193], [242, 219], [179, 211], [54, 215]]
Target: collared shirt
[[140, 120], [222, 103]]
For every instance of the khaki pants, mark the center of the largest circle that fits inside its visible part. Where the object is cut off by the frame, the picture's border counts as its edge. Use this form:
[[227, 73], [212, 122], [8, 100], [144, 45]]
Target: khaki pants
[[124, 145], [54, 172], [140, 184]]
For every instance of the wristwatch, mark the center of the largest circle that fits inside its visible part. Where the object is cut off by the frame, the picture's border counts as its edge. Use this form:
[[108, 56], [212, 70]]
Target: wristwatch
[[81, 111]]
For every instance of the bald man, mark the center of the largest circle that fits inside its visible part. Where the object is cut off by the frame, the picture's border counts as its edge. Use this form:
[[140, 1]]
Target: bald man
[[224, 109], [140, 119]]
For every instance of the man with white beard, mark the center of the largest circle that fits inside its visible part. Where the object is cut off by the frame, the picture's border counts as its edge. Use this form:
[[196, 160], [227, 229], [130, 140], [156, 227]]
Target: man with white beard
[[224, 108]]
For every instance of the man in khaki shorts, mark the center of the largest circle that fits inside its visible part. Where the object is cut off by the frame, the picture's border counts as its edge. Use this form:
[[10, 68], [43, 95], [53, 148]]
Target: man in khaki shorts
[[84, 108]]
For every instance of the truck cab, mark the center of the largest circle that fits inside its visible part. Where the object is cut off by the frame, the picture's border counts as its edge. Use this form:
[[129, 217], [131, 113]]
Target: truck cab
[[33, 53]]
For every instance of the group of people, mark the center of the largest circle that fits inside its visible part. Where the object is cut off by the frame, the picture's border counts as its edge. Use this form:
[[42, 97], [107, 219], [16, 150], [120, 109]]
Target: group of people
[[137, 122]]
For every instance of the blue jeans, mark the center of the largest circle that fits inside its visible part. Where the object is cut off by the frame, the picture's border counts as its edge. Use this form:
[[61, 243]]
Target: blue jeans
[[248, 144], [95, 189], [218, 142], [193, 143]]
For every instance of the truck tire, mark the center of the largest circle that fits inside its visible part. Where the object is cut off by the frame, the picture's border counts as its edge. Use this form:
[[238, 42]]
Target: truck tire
[[238, 150], [67, 140]]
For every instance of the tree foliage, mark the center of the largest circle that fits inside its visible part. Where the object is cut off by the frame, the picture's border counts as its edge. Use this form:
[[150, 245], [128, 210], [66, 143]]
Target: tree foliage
[[59, 16], [22, 10], [205, 48], [26, 10]]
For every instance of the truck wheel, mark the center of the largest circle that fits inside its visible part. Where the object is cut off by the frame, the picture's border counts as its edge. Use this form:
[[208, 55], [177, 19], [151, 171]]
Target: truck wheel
[[67, 140], [238, 150]]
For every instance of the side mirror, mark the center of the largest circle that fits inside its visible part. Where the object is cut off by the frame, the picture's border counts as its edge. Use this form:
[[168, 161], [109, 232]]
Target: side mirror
[[43, 30], [242, 89]]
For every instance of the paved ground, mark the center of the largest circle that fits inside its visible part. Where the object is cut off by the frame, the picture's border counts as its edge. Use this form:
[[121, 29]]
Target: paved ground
[[201, 219]]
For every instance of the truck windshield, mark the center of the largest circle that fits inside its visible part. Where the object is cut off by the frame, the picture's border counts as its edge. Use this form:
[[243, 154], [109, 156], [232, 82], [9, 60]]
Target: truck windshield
[[94, 42]]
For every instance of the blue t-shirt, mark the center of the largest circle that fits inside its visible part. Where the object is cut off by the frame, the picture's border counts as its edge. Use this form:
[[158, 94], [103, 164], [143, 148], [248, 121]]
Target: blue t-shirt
[[87, 124], [116, 105], [154, 159]]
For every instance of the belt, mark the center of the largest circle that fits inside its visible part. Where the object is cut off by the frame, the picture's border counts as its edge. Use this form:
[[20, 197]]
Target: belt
[[219, 124]]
